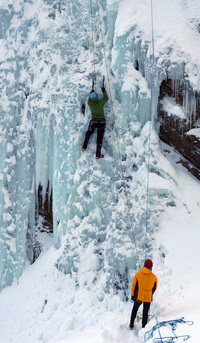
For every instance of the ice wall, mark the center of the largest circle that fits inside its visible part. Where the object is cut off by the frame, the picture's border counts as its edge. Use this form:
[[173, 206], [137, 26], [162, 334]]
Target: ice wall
[[46, 75], [45, 78]]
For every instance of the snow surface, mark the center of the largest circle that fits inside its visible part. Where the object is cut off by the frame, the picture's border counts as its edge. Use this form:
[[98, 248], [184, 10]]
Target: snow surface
[[80, 292], [194, 132], [175, 27], [172, 108]]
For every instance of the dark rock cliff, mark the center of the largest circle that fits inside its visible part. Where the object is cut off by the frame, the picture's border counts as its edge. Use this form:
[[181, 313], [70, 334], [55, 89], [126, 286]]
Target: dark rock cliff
[[174, 130]]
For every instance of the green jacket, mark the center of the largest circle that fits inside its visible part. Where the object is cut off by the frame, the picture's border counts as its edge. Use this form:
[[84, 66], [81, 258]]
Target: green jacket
[[96, 106]]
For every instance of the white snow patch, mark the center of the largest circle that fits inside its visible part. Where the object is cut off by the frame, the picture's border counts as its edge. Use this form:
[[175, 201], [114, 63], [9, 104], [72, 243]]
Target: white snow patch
[[194, 132], [172, 108]]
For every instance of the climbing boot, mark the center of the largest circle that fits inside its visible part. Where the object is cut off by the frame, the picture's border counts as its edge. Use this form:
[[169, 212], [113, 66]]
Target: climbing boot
[[100, 156], [84, 147]]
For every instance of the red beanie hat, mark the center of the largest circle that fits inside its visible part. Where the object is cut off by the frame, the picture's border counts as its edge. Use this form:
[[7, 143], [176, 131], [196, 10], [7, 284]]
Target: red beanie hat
[[148, 264]]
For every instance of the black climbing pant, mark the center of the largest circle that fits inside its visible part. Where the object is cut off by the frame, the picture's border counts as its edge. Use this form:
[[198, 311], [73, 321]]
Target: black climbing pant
[[136, 306], [100, 133]]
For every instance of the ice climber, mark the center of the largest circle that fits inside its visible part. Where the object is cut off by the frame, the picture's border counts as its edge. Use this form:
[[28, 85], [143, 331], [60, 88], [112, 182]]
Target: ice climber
[[143, 287], [98, 120]]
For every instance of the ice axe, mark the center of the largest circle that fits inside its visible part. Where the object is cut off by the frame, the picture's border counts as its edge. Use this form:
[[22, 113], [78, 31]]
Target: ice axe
[[103, 82]]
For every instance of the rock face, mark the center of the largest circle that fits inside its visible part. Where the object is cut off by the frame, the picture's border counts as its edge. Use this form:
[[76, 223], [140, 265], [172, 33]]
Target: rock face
[[177, 131], [45, 209]]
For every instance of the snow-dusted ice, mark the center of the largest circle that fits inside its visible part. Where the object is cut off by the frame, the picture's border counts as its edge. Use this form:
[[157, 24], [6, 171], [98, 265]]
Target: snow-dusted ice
[[78, 290]]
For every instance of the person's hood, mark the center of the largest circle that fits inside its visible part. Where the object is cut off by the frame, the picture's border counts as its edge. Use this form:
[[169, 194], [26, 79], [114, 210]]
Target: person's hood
[[145, 270], [94, 101]]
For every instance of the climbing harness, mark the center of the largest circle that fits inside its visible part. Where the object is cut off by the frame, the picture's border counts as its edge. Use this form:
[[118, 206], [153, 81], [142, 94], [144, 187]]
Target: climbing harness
[[97, 121], [114, 120], [150, 124], [171, 324]]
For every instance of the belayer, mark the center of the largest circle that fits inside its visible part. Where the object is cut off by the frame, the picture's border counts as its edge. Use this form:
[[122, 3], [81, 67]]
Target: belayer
[[143, 287], [98, 120]]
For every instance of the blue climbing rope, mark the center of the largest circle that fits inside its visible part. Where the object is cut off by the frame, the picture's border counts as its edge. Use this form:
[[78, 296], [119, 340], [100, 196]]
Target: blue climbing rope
[[171, 324]]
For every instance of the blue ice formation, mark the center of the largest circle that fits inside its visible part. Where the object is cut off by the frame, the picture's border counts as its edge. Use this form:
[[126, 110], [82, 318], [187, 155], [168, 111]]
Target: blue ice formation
[[46, 73]]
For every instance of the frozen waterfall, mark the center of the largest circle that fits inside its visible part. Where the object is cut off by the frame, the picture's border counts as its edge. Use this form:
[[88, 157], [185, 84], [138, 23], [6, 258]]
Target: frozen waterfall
[[46, 76]]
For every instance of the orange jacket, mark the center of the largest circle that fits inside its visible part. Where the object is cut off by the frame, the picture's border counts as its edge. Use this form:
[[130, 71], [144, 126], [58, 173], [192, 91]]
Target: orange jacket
[[144, 285]]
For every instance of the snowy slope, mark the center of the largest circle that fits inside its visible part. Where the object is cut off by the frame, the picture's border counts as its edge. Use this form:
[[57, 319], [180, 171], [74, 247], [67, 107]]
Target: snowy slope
[[79, 292], [175, 29]]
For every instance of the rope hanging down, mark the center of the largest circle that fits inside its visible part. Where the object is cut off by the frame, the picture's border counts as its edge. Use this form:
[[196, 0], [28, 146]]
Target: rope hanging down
[[93, 44], [150, 125], [114, 120]]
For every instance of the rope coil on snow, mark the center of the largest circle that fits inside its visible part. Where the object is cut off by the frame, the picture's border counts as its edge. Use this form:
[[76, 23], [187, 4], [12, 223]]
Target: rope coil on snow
[[170, 323]]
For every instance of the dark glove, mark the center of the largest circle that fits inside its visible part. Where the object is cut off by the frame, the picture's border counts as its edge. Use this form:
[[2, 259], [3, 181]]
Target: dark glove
[[103, 89], [138, 301], [132, 298]]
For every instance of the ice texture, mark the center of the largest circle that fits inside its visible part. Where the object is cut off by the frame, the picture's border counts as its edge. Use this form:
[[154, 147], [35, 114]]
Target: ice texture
[[46, 75]]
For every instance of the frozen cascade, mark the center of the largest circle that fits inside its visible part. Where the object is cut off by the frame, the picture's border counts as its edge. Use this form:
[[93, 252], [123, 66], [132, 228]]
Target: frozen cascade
[[46, 71]]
